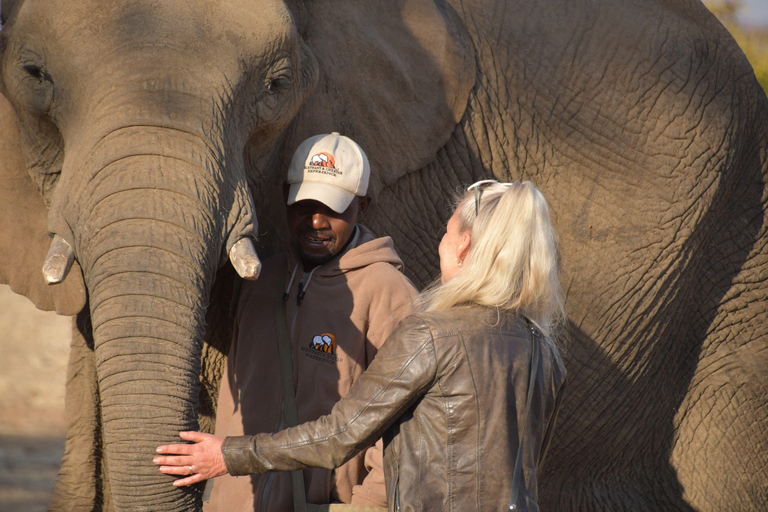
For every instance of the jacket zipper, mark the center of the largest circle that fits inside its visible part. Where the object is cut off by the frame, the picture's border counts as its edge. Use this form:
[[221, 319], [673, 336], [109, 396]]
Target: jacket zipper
[[396, 494], [294, 316]]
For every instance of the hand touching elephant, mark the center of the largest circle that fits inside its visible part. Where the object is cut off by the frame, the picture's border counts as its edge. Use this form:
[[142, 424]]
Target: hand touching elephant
[[154, 131], [196, 461]]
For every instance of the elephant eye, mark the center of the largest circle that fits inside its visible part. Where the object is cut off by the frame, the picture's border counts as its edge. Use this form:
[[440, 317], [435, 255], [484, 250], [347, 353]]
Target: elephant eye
[[276, 84], [34, 71], [279, 77], [37, 73], [38, 88]]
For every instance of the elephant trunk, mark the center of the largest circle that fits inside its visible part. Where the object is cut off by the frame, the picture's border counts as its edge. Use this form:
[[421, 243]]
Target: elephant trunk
[[149, 240], [148, 347]]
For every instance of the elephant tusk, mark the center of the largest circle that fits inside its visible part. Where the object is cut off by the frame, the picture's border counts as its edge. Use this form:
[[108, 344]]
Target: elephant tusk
[[59, 260], [244, 259]]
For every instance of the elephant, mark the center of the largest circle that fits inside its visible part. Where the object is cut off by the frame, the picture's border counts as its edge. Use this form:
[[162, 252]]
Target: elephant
[[143, 145]]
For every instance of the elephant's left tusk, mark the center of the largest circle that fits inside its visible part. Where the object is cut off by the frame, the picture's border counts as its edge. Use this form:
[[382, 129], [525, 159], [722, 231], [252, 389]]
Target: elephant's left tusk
[[59, 260], [244, 259]]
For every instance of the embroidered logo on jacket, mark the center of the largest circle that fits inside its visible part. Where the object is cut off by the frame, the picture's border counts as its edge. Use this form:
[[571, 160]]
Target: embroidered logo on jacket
[[322, 163], [322, 348], [325, 342]]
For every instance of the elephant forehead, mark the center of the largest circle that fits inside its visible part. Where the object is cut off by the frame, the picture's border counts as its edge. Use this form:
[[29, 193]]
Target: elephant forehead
[[203, 26]]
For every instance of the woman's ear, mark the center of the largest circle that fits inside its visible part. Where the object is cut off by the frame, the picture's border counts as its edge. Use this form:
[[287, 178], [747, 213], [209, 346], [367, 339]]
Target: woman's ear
[[464, 246], [395, 76]]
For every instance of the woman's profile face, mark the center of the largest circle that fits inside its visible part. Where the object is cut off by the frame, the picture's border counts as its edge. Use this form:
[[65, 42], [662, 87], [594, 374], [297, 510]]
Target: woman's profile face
[[453, 248]]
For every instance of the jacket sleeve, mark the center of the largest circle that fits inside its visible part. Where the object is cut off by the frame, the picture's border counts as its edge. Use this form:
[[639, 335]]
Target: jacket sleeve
[[403, 370]]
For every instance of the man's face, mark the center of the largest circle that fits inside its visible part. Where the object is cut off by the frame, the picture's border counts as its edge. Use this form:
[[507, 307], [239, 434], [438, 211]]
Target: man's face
[[319, 233]]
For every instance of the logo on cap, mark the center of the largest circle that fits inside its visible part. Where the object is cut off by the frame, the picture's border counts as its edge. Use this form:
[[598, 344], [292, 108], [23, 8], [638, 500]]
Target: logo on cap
[[323, 160], [322, 163]]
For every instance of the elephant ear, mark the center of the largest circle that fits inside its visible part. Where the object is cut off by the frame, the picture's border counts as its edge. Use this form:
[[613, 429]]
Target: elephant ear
[[24, 239], [8, 8], [395, 76]]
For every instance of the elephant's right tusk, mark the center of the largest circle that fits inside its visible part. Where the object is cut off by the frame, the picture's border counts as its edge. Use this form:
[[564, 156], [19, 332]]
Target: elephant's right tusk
[[245, 260], [59, 260]]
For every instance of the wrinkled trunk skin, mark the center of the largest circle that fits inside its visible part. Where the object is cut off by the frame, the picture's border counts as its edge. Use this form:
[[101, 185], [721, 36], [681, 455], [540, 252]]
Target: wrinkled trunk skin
[[148, 328], [146, 286], [149, 247], [148, 331]]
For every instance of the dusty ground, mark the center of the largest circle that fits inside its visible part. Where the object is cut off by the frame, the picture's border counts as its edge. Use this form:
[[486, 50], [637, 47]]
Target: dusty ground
[[34, 346]]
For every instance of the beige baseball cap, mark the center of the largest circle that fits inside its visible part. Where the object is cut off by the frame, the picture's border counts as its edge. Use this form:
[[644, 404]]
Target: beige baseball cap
[[331, 169]]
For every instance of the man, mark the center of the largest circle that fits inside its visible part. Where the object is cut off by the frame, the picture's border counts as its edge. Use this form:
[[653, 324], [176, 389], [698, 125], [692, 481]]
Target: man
[[344, 292]]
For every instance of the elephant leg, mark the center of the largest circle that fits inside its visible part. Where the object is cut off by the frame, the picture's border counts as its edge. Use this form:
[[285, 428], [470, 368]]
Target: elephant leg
[[81, 476], [723, 409]]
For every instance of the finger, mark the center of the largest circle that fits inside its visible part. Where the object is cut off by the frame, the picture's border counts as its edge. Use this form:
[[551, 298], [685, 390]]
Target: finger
[[175, 448], [192, 479], [172, 460], [175, 470], [192, 436]]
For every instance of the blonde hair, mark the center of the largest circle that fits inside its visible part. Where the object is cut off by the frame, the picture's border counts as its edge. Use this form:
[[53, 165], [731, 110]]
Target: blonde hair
[[512, 264]]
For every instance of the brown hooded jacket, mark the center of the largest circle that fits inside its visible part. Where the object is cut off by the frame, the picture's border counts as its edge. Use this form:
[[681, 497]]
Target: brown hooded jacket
[[348, 308]]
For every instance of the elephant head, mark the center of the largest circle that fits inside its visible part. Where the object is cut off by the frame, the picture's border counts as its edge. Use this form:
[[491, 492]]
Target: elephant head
[[141, 169], [142, 125]]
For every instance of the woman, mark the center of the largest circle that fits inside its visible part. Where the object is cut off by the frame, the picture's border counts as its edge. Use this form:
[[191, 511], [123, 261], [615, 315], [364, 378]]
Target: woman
[[449, 390]]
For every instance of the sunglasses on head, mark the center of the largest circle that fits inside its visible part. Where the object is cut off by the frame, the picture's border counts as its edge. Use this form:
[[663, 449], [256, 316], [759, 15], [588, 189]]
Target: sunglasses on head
[[478, 186]]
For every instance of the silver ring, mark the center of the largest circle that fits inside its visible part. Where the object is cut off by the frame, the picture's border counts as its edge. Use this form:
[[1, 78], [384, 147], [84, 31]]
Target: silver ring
[[191, 469]]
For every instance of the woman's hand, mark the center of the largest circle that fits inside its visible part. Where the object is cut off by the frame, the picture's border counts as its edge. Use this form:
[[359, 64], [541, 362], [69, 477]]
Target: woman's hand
[[198, 462]]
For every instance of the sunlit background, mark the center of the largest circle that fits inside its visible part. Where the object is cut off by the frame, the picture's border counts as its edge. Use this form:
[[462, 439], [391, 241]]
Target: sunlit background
[[747, 20]]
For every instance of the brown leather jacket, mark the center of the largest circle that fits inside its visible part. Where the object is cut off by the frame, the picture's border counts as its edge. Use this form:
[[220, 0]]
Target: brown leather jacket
[[448, 391]]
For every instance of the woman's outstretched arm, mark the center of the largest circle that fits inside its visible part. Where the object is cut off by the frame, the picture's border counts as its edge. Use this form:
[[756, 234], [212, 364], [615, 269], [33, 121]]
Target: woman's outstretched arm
[[402, 371]]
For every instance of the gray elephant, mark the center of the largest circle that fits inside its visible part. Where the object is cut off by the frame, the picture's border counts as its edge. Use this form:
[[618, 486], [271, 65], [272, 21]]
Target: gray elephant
[[144, 125]]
